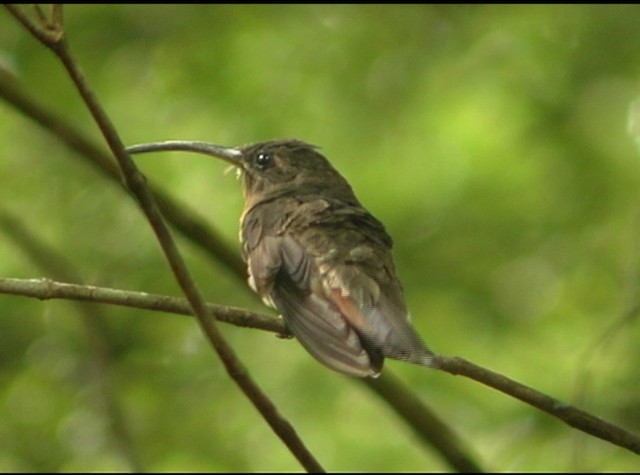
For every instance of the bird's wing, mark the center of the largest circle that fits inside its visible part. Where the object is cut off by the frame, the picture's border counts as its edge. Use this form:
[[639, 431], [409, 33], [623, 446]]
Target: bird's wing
[[373, 304], [358, 276], [284, 274]]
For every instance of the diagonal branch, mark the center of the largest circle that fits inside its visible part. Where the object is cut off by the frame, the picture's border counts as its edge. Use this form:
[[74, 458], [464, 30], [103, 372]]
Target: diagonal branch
[[424, 421], [419, 417], [135, 182], [178, 214], [567, 413], [189, 225], [571, 415]]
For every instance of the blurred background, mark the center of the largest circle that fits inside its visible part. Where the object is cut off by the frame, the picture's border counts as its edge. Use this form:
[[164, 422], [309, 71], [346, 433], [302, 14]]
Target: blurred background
[[494, 143]]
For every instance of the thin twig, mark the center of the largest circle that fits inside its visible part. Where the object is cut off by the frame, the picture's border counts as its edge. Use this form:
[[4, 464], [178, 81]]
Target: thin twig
[[571, 416], [406, 405], [567, 413], [188, 224], [183, 219], [601, 346], [423, 420], [47, 289], [136, 184], [47, 35]]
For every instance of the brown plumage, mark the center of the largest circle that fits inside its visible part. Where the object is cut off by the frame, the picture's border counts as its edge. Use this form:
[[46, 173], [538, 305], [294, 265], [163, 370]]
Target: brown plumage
[[317, 256]]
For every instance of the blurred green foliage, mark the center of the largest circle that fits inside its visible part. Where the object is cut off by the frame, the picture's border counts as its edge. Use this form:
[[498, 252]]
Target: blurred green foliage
[[491, 140]]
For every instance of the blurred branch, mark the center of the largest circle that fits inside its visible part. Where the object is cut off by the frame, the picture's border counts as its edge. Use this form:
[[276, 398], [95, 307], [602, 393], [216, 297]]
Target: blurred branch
[[567, 413], [94, 321], [178, 214], [424, 421], [415, 413], [49, 31], [603, 343], [198, 232], [51, 34]]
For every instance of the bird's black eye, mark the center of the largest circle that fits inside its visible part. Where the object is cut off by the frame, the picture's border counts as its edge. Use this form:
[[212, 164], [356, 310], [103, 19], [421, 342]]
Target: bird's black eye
[[264, 161]]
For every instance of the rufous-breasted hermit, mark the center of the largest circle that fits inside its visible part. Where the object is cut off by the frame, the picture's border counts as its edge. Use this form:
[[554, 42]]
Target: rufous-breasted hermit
[[317, 256]]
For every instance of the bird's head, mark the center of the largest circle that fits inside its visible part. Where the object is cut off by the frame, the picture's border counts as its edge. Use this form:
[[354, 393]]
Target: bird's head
[[270, 169]]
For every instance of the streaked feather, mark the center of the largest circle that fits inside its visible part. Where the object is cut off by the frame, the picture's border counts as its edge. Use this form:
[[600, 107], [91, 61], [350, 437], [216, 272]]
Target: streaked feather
[[332, 279]]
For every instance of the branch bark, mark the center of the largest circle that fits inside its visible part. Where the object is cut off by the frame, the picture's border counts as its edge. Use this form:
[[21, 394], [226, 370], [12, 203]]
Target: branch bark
[[183, 219], [47, 289], [570, 415], [189, 225], [567, 413], [51, 34], [422, 420]]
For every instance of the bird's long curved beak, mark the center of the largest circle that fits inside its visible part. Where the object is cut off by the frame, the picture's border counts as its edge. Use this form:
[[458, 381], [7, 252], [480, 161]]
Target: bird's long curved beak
[[229, 154]]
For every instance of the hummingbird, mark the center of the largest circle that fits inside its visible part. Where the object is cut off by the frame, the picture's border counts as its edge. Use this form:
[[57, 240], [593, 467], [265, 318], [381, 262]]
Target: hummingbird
[[317, 256]]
